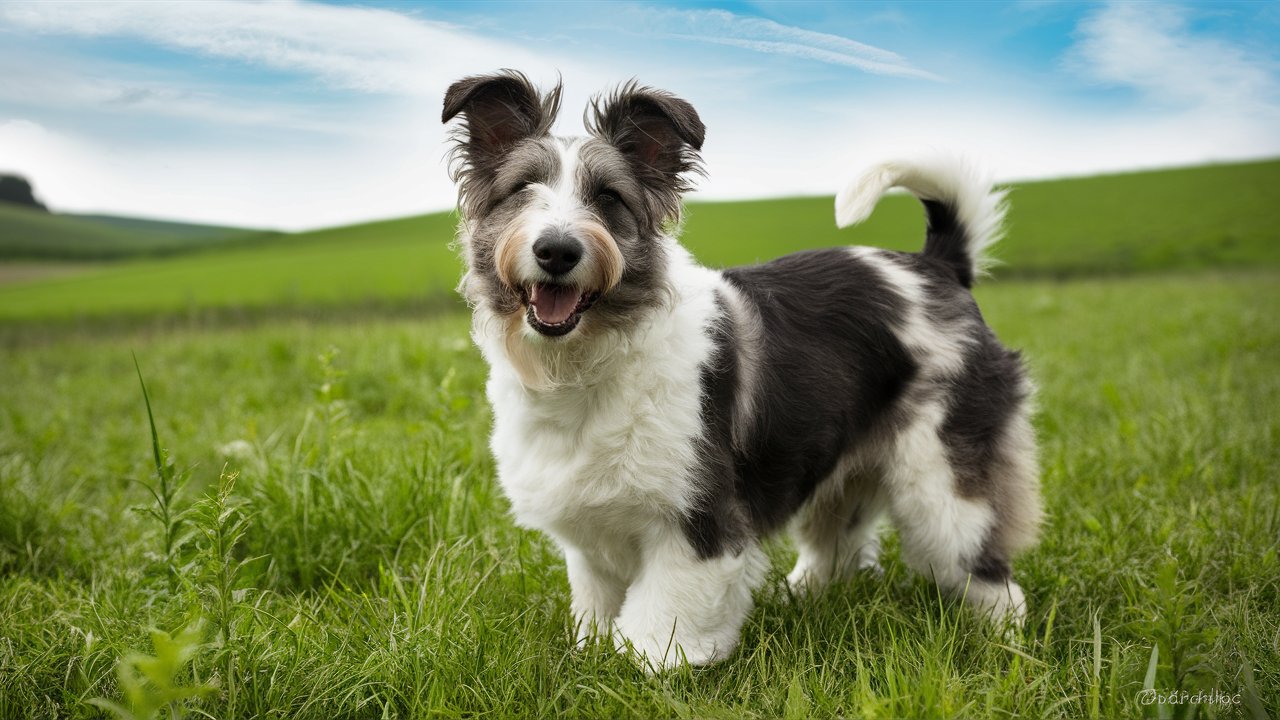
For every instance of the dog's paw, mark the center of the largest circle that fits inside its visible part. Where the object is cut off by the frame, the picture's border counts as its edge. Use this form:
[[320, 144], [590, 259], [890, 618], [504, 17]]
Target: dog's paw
[[808, 579], [803, 580], [588, 629], [658, 654], [1003, 604]]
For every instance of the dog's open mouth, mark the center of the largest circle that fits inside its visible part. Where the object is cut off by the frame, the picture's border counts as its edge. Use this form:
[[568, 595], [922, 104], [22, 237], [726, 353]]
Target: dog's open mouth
[[554, 310]]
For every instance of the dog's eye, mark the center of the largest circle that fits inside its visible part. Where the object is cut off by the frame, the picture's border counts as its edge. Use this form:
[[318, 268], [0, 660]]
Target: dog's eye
[[607, 197]]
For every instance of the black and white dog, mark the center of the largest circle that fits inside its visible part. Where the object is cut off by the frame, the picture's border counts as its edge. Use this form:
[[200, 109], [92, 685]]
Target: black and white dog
[[658, 418]]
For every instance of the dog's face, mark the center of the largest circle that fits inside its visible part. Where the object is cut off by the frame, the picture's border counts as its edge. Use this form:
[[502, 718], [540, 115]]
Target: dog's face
[[563, 233]]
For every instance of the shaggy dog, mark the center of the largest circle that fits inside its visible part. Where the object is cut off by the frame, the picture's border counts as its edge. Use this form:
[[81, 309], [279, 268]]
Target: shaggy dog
[[658, 418]]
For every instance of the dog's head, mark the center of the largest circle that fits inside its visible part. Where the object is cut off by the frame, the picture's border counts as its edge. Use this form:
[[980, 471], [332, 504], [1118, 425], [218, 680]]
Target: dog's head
[[564, 234]]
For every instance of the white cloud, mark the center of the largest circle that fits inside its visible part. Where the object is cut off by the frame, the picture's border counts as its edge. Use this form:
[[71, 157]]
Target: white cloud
[[818, 155], [1151, 47], [766, 36], [271, 187]]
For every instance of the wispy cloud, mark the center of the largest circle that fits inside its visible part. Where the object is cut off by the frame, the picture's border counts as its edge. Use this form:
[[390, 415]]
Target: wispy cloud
[[1152, 48], [106, 88], [353, 48], [766, 36]]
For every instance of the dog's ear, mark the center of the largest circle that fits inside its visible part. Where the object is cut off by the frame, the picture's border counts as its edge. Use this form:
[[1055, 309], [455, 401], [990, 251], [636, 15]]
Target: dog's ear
[[659, 134], [498, 111]]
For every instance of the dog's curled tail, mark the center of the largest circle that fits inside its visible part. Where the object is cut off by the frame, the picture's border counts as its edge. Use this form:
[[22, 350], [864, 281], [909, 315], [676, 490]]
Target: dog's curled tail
[[965, 214]]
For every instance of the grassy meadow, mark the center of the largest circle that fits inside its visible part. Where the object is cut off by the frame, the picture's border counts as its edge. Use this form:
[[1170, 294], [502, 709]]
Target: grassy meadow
[[316, 531]]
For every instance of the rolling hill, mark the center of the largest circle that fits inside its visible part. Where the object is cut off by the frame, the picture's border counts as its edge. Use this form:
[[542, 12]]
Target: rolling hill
[[31, 234], [1184, 219]]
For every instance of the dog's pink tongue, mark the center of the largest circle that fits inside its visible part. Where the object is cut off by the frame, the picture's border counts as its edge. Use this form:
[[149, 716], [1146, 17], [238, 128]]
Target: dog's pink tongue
[[553, 304]]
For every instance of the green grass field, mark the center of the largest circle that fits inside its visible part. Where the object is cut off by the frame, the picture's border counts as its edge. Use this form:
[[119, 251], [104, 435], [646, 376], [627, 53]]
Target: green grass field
[[362, 563]]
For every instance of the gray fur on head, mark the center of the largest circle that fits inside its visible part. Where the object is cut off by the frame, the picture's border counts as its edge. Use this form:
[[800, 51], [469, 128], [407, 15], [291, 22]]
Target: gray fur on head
[[659, 134], [499, 111]]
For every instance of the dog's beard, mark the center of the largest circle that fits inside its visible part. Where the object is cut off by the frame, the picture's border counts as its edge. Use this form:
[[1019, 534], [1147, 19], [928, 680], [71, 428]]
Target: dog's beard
[[547, 363]]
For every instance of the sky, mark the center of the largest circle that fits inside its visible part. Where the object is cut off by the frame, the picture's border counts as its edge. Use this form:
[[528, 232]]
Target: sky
[[297, 115]]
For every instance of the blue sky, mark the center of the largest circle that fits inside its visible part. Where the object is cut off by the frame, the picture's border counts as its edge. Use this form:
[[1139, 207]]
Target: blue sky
[[299, 114]]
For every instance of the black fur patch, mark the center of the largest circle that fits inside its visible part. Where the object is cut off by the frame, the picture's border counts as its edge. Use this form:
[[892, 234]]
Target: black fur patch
[[991, 568], [983, 399], [831, 371], [947, 240], [716, 523]]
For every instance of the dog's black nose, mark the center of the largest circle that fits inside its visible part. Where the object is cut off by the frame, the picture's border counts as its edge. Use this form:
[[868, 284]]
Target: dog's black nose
[[557, 252]]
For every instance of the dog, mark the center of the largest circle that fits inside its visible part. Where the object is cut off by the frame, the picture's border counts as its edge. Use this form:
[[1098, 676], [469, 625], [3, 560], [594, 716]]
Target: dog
[[658, 419]]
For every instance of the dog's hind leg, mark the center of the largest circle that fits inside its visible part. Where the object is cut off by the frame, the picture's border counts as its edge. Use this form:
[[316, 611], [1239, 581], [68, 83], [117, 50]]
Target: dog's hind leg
[[837, 532], [953, 538]]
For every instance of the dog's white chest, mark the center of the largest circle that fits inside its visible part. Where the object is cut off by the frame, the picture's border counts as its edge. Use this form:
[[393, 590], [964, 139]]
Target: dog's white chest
[[612, 452], [605, 460]]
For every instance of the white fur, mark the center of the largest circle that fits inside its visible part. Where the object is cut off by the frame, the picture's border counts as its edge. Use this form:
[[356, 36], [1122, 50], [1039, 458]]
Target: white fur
[[939, 351], [582, 453], [940, 530], [946, 178], [555, 207], [831, 547], [682, 608], [602, 461], [748, 332]]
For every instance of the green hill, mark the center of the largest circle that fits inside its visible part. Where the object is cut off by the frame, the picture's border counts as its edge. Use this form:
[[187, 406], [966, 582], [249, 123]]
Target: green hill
[[1214, 216], [1189, 218], [26, 233], [170, 228], [390, 261]]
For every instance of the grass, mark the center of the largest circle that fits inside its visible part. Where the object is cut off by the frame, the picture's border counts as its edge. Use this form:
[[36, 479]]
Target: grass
[[329, 511], [1217, 216], [17, 272], [297, 517]]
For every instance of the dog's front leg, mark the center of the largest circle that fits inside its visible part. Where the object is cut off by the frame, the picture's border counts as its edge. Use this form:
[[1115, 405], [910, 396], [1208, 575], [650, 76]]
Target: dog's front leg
[[596, 593], [686, 608]]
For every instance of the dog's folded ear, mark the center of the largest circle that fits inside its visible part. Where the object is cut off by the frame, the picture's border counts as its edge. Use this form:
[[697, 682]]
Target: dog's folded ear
[[658, 132], [498, 111]]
